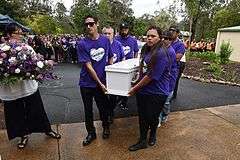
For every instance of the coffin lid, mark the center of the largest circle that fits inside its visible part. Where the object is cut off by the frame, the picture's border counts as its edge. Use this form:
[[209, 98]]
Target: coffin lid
[[126, 66]]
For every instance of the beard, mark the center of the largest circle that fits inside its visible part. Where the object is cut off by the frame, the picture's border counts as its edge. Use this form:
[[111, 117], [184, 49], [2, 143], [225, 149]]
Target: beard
[[123, 34]]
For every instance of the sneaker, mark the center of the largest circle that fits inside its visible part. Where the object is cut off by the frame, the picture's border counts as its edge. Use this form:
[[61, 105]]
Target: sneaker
[[159, 124], [123, 107], [160, 121], [164, 119]]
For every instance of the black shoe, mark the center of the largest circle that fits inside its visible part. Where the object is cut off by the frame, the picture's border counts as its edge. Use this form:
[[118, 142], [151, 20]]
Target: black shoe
[[152, 141], [137, 146], [106, 133], [123, 106], [90, 137], [110, 119], [23, 142], [53, 134]]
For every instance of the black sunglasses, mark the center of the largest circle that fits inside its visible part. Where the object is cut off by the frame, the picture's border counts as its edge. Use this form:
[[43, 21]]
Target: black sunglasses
[[89, 24]]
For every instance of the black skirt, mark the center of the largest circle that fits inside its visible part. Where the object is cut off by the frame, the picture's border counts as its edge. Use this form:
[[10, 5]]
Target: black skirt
[[25, 116]]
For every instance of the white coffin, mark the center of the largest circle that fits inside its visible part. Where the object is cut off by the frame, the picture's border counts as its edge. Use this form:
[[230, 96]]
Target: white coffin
[[120, 75]]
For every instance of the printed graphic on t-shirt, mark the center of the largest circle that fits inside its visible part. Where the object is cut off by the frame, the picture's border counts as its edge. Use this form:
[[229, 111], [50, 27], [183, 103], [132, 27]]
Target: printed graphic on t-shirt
[[126, 50], [114, 57], [97, 54]]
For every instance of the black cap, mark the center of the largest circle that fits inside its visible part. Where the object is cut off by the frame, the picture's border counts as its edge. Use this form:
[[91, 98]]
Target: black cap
[[174, 28], [123, 25], [167, 34]]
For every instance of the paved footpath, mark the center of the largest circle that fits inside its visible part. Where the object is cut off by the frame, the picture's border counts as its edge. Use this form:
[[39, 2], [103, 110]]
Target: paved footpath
[[201, 134]]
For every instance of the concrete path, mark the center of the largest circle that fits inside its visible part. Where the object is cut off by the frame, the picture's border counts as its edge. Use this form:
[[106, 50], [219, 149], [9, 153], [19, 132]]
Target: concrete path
[[201, 134]]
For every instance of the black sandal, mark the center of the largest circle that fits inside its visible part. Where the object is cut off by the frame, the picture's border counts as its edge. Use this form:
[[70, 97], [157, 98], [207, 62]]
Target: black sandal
[[23, 142], [53, 134]]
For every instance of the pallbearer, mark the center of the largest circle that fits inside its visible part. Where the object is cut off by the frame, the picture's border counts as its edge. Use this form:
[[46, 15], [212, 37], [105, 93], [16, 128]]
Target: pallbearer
[[118, 55], [94, 53]]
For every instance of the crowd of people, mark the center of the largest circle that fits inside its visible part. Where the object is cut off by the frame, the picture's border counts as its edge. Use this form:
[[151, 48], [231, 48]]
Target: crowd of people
[[162, 61], [201, 46], [60, 48]]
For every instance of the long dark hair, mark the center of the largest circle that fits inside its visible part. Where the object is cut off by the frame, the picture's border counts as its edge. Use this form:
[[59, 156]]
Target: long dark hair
[[10, 29], [153, 50]]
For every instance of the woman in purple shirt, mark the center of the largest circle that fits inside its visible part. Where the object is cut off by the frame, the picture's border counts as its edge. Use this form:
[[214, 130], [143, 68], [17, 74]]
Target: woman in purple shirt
[[152, 88]]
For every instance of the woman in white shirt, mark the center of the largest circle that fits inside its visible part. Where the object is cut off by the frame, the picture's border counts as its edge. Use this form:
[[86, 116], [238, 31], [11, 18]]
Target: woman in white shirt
[[23, 106]]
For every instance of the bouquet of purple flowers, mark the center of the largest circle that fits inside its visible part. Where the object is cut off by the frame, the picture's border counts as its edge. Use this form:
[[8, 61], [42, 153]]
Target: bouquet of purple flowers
[[21, 62]]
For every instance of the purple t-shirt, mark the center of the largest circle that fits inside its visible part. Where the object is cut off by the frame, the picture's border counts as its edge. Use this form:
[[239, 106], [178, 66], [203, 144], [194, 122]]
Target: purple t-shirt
[[98, 53], [179, 47], [130, 46], [160, 74], [174, 69], [117, 50]]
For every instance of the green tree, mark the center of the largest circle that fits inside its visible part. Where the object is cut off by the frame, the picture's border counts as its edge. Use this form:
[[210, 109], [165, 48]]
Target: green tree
[[12, 8], [200, 9], [163, 19], [65, 25], [42, 24], [227, 16], [120, 11], [104, 9], [81, 9]]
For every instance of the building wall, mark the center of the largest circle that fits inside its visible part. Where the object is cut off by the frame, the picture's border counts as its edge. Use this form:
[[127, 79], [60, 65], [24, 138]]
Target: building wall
[[234, 39]]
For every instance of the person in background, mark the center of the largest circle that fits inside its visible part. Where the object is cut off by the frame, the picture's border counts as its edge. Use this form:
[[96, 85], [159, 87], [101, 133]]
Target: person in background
[[167, 40], [118, 55], [152, 88], [94, 52], [23, 107], [130, 48], [179, 48]]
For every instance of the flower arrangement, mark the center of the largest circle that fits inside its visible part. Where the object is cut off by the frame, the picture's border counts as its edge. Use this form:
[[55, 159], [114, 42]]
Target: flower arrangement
[[21, 62]]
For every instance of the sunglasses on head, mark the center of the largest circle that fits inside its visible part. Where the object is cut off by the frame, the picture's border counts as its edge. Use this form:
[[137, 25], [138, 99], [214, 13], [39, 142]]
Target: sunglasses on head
[[172, 29], [89, 24], [107, 33]]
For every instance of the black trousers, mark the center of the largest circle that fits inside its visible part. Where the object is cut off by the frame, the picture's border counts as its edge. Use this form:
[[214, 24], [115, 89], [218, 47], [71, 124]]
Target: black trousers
[[113, 99], [149, 108], [25, 116], [102, 103], [180, 71], [123, 100]]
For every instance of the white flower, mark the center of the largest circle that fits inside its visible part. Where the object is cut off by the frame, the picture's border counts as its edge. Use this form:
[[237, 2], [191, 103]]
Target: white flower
[[18, 48], [28, 74], [40, 64], [6, 74], [17, 70], [1, 62], [5, 48], [24, 57], [12, 59]]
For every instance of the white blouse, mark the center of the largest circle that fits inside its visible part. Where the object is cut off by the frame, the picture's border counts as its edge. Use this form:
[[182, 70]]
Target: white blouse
[[19, 90]]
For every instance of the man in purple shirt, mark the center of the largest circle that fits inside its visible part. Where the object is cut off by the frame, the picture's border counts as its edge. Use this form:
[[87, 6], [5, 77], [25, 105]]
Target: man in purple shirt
[[118, 55], [179, 48], [130, 48], [173, 75], [94, 53]]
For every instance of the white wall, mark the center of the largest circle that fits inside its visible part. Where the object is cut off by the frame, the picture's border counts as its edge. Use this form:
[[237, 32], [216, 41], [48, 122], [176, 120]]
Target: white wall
[[234, 39]]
